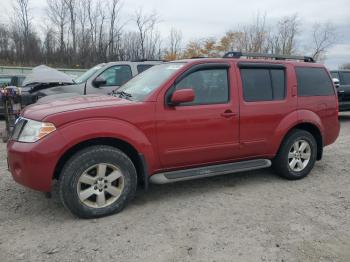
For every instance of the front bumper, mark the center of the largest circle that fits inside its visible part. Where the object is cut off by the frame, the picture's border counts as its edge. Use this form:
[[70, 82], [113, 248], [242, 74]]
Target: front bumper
[[33, 164]]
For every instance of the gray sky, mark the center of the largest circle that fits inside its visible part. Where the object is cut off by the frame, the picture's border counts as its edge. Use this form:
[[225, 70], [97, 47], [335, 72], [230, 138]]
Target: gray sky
[[203, 18]]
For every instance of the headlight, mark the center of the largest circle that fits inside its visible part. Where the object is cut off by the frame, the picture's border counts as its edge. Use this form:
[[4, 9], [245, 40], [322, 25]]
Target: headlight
[[34, 130]]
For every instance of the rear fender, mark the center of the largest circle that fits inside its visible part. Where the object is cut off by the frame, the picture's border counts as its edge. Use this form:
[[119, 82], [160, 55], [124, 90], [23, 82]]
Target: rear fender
[[292, 120]]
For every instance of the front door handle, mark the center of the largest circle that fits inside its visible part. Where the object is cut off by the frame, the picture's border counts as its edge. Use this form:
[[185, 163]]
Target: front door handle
[[228, 113]]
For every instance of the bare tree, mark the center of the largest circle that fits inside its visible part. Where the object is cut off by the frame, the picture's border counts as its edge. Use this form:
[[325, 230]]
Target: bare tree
[[175, 40], [114, 28], [71, 6], [21, 20], [146, 26], [345, 66], [323, 37], [57, 12], [288, 28]]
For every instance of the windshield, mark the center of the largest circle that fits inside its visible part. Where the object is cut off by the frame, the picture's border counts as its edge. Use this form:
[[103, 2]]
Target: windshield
[[88, 74], [143, 84]]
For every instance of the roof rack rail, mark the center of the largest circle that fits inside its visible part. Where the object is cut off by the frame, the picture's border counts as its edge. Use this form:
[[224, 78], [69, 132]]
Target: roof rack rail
[[234, 54], [147, 60]]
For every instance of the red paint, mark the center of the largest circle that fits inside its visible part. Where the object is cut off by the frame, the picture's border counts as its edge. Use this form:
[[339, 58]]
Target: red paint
[[173, 137]]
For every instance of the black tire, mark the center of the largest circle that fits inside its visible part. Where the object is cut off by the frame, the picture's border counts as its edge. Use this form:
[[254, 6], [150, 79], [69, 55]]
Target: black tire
[[82, 161], [281, 161]]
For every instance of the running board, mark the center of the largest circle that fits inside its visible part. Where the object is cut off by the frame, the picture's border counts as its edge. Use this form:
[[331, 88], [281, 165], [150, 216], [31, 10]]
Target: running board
[[208, 171]]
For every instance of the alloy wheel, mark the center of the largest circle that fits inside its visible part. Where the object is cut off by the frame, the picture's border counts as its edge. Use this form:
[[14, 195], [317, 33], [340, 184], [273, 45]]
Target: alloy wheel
[[100, 185], [299, 155]]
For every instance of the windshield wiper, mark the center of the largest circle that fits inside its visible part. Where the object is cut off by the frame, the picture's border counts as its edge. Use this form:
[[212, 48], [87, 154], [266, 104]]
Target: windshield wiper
[[124, 94]]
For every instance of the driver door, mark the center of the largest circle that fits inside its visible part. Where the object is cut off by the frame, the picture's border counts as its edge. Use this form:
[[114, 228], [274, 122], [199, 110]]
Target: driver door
[[114, 76], [205, 130]]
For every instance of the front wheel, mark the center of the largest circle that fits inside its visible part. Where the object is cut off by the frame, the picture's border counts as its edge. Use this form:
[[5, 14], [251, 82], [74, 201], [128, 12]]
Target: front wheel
[[97, 181], [297, 155]]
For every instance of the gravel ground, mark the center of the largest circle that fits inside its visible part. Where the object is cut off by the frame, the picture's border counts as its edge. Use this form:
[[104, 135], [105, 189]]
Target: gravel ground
[[252, 216]]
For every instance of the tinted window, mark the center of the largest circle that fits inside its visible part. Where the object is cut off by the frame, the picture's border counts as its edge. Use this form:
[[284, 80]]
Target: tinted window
[[262, 84], [141, 68], [210, 86], [313, 82], [346, 78], [117, 75], [278, 84]]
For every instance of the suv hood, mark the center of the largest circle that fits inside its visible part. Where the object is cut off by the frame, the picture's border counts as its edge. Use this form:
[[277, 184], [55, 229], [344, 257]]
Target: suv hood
[[39, 111]]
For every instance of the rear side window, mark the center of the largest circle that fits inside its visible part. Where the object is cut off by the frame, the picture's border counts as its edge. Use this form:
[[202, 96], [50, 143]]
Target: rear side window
[[263, 84], [313, 82], [346, 78], [141, 68]]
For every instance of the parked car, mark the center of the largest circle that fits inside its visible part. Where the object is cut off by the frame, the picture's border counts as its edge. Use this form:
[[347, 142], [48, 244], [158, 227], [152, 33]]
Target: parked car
[[41, 78], [177, 121], [343, 77], [101, 79], [8, 80]]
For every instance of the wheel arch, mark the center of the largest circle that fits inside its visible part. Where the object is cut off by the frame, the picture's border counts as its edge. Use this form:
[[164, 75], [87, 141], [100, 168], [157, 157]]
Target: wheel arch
[[312, 129], [136, 157]]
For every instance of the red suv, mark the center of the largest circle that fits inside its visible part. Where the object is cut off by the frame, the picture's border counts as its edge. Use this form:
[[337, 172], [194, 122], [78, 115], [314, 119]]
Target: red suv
[[177, 121]]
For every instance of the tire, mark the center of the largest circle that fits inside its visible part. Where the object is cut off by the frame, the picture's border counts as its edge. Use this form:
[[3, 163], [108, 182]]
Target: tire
[[288, 156], [97, 181]]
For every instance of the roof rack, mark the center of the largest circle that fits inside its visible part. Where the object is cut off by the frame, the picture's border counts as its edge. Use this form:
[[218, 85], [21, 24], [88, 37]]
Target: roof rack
[[233, 54], [147, 60]]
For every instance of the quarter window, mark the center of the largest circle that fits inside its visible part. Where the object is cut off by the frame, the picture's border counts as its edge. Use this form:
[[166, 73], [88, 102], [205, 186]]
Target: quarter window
[[209, 85], [263, 84], [313, 82]]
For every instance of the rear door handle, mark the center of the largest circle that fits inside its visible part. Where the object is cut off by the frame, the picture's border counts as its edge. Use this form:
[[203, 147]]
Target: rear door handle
[[228, 113]]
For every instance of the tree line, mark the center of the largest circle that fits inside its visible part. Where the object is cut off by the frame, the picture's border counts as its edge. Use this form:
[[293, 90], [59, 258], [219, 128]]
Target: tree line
[[82, 33]]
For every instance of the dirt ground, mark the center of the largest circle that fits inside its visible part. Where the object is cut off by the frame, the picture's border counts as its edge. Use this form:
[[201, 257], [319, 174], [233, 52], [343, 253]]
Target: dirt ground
[[252, 216]]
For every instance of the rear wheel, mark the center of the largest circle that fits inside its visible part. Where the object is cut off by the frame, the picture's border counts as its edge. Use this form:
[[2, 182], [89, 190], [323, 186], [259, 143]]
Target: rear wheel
[[97, 181], [297, 155]]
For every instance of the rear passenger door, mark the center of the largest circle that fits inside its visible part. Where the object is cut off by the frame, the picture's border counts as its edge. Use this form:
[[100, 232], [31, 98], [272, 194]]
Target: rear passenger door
[[265, 101]]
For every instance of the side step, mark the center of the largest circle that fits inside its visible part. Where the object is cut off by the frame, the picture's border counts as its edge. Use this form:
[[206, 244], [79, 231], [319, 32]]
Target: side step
[[208, 171]]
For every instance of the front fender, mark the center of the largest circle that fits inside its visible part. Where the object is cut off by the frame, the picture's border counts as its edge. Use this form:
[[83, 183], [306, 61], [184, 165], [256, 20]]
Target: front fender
[[87, 129]]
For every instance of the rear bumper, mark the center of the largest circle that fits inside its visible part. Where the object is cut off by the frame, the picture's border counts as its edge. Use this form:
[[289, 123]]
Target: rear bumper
[[33, 164]]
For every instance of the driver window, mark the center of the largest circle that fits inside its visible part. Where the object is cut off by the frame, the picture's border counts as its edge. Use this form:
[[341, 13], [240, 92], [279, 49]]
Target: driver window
[[210, 86], [117, 75]]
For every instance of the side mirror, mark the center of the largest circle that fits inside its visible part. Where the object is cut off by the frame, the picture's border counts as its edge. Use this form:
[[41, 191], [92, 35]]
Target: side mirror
[[336, 82], [182, 96], [99, 81]]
